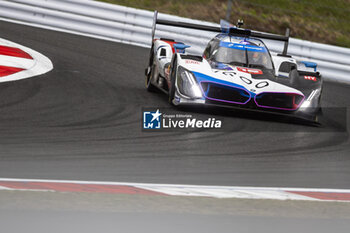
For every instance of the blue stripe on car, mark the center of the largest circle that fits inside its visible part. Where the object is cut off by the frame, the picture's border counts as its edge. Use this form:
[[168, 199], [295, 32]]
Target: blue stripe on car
[[238, 46]]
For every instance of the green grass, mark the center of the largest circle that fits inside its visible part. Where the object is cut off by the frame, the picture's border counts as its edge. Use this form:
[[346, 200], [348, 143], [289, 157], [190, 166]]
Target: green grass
[[325, 21]]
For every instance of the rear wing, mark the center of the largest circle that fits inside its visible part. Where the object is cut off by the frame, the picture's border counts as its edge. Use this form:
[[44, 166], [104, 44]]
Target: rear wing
[[233, 31]]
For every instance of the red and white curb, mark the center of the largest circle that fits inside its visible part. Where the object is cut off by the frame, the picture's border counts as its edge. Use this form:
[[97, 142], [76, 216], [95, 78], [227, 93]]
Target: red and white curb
[[176, 190], [19, 62]]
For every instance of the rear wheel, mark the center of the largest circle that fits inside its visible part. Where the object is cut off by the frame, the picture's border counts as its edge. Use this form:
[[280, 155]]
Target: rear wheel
[[150, 72], [149, 85]]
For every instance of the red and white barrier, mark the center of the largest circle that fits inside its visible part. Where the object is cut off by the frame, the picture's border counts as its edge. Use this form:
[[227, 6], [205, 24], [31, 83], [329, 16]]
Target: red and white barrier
[[19, 62], [177, 190]]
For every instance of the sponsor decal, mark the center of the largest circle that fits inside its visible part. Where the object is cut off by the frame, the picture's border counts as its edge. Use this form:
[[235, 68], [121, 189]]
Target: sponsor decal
[[192, 62], [249, 70], [310, 78]]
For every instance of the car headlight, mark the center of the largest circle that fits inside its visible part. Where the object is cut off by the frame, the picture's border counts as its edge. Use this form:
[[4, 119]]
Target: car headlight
[[187, 84], [311, 101], [306, 104]]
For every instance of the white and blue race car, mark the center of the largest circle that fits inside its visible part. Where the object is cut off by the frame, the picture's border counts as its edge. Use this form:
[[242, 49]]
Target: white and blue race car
[[235, 70]]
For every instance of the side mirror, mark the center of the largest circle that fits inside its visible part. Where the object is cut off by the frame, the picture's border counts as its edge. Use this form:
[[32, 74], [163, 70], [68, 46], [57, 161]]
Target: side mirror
[[311, 65], [180, 48]]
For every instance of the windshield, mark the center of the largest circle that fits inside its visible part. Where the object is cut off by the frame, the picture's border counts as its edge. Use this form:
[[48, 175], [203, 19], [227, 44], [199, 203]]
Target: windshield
[[239, 54]]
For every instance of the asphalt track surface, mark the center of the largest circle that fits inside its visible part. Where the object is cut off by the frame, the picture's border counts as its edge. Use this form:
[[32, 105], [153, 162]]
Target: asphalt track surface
[[83, 121], [34, 212]]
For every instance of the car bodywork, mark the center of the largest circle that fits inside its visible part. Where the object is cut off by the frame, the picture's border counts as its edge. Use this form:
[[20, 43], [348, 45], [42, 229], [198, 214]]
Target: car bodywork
[[235, 70]]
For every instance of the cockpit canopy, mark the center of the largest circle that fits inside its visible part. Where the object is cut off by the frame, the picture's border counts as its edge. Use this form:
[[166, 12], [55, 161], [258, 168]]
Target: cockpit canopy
[[236, 51]]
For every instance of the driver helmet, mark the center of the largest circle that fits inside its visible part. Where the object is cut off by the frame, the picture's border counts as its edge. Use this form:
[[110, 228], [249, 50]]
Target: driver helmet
[[256, 56]]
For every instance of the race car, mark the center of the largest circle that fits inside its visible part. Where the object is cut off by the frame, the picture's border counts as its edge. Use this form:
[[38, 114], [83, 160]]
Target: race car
[[235, 70]]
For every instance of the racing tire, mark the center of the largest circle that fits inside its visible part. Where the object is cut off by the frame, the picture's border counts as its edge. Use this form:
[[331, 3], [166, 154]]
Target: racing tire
[[150, 73], [149, 86], [172, 81], [294, 78]]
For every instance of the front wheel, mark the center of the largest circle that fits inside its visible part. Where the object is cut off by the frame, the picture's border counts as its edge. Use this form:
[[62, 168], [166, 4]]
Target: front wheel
[[294, 78], [172, 82]]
